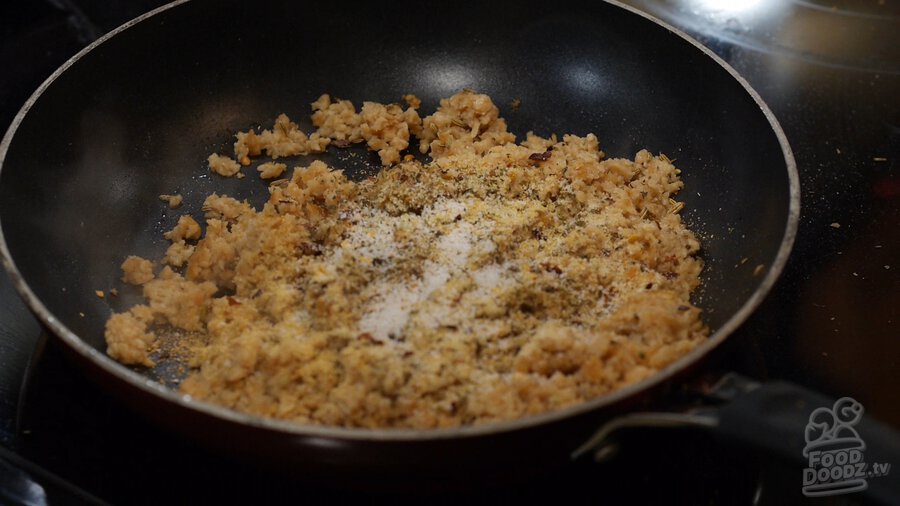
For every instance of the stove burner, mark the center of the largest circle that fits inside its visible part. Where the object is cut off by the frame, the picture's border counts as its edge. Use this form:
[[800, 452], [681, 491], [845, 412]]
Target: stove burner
[[846, 34]]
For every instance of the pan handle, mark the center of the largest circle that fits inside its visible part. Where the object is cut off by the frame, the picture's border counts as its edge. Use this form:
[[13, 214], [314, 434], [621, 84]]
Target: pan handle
[[830, 440], [24, 483]]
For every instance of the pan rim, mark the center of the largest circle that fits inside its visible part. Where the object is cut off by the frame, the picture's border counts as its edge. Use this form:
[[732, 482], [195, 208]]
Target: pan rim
[[328, 434]]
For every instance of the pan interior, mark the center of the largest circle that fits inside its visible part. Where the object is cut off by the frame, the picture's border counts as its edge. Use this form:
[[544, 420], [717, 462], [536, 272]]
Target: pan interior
[[137, 116]]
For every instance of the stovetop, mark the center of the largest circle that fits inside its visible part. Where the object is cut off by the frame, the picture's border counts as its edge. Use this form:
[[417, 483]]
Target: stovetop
[[830, 71]]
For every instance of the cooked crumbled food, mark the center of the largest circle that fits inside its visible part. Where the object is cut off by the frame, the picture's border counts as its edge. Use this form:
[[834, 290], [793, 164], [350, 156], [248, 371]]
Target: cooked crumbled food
[[127, 339], [178, 253], [467, 122], [173, 201], [386, 129], [337, 120], [222, 165], [172, 301], [286, 139], [223, 208], [177, 301], [499, 280], [186, 228], [247, 144], [271, 170], [137, 270], [412, 101]]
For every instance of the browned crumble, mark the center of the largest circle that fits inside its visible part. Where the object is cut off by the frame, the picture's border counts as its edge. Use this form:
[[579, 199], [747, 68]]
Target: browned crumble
[[137, 270], [173, 201], [497, 281]]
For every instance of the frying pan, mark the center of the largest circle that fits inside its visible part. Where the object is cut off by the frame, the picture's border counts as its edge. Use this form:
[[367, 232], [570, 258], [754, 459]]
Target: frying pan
[[135, 114]]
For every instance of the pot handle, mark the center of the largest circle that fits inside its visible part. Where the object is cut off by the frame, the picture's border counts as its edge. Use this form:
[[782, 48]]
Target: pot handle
[[799, 425]]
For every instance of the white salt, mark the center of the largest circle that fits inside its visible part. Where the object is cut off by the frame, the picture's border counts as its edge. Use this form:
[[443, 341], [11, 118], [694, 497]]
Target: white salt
[[391, 304]]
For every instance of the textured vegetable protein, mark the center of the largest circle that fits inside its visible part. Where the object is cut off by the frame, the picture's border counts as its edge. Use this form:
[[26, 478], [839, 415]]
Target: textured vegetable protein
[[498, 280]]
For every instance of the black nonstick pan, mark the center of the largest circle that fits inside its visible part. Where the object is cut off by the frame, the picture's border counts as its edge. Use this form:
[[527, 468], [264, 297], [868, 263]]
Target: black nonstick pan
[[135, 115]]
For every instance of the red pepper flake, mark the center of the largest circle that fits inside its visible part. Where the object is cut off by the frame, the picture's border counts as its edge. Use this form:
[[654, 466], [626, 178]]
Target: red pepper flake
[[233, 302], [540, 157], [309, 249], [683, 308], [365, 336], [551, 267]]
